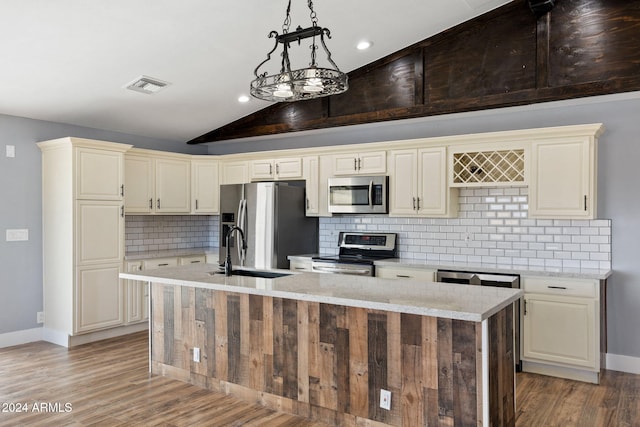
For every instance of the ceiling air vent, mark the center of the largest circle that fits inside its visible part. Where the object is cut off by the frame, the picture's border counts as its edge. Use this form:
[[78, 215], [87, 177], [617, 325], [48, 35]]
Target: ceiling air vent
[[148, 85]]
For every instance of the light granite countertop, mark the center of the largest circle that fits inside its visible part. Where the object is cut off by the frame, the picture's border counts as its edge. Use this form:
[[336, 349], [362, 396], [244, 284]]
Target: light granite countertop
[[576, 273], [447, 300]]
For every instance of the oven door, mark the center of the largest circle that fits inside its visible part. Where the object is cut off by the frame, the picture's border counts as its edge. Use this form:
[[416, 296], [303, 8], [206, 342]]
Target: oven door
[[358, 194], [342, 268]]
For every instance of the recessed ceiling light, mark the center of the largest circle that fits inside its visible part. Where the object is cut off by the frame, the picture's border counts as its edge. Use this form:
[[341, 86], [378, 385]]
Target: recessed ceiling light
[[364, 45], [243, 98], [147, 85]]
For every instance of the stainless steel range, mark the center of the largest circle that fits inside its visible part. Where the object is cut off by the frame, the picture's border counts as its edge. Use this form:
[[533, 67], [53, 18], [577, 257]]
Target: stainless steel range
[[357, 253]]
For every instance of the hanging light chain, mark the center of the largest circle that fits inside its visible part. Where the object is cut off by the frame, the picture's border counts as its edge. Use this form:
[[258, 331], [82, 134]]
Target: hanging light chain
[[287, 20], [314, 17]]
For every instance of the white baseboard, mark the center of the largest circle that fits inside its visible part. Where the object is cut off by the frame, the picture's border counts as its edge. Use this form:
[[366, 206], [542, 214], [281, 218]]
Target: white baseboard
[[25, 336], [618, 362], [63, 339]]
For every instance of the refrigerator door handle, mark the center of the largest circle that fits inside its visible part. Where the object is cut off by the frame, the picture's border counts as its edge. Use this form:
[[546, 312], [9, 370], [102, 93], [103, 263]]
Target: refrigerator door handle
[[242, 219]]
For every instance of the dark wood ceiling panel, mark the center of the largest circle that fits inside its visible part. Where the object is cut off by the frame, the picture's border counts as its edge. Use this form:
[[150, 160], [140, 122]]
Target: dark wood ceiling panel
[[498, 55], [594, 41], [392, 85], [506, 57]]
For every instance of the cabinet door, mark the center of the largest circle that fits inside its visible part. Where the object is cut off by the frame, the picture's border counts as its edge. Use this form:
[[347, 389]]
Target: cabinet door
[[99, 174], [311, 175], [135, 294], [262, 170], [139, 184], [173, 183], [433, 189], [345, 164], [205, 188], [403, 168], [235, 173], [563, 179], [288, 168], [99, 298], [99, 232], [374, 162], [560, 330]]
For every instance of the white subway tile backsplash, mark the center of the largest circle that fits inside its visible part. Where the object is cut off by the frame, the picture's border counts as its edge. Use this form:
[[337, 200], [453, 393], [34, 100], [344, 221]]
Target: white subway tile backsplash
[[492, 228], [145, 233]]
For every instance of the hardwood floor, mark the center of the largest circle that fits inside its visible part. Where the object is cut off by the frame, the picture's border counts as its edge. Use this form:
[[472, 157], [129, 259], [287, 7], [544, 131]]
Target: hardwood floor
[[107, 384]]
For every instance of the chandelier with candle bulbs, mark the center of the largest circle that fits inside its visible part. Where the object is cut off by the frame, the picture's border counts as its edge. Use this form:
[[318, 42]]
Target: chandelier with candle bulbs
[[304, 83]]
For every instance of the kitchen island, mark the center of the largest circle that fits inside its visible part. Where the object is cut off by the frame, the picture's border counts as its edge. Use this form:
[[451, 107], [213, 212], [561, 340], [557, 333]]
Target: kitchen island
[[324, 346]]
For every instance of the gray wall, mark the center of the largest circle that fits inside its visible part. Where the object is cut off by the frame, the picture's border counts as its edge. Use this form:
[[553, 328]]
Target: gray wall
[[618, 183], [21, 207]]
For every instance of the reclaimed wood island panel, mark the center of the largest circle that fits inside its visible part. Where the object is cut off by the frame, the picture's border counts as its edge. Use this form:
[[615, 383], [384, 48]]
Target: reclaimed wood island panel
[[323, 346]]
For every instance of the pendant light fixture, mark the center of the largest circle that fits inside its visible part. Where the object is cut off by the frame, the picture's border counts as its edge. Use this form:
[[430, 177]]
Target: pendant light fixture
[[305, 83]]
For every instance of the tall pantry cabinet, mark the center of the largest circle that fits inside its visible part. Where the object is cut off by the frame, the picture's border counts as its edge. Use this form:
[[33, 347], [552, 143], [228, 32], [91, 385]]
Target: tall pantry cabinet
[[83, 236]]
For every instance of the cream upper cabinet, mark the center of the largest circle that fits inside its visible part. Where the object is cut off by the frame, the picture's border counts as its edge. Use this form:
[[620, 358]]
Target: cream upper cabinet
[[364, 163], [563, 178], [138, 197], [418, 184], [83, 235], [205, 186], [234, 172], [157, 182], [275, 169], [311, 167], [561, 327], [99, 174], [173, 184]]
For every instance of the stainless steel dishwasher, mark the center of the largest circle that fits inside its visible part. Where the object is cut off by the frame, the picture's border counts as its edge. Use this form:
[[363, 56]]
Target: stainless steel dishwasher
[[500, 280]]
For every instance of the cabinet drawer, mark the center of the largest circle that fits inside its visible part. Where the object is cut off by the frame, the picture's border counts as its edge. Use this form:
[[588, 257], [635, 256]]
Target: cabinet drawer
[[193, 259], [405, 273], [559, 286], [151, 264], [300, 265]]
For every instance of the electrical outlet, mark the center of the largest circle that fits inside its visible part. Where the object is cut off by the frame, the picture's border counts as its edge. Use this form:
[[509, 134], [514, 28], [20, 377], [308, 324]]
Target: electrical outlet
[[385, 399], [40, 317], [196, 354]]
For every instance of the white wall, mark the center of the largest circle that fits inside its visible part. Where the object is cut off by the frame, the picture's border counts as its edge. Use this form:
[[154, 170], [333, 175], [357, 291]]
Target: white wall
[[21, 207], [618, 183]]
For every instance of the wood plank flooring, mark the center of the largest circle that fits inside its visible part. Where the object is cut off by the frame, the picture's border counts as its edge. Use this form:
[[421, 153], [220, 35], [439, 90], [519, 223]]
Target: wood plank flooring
[[107, 384]]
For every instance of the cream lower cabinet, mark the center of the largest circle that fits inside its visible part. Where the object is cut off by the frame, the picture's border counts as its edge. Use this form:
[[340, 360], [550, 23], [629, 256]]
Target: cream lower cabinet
[[561, 327], [83, 236], [99, 299], [418, 184], [137, 295]]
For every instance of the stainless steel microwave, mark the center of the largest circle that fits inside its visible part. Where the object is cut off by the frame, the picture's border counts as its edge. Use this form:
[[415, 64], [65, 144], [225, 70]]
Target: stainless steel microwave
[[359, 194]]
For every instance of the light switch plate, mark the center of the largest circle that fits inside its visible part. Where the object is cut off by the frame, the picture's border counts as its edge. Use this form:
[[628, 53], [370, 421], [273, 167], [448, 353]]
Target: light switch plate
[[17, 235], [385, 399], [11, 150]]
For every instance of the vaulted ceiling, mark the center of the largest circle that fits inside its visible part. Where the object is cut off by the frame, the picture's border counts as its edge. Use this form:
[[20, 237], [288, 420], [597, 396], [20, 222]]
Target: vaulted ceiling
[[68, 61]]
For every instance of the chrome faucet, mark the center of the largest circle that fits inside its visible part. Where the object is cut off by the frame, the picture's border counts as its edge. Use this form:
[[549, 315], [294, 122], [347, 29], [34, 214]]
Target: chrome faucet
[[228, 269]]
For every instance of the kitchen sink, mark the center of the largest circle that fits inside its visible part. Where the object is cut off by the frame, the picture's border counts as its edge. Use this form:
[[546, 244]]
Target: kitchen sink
[[254, 273]]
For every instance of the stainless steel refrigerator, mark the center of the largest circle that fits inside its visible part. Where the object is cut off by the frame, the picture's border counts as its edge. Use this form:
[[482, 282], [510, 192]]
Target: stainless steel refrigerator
[[272, 217]]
